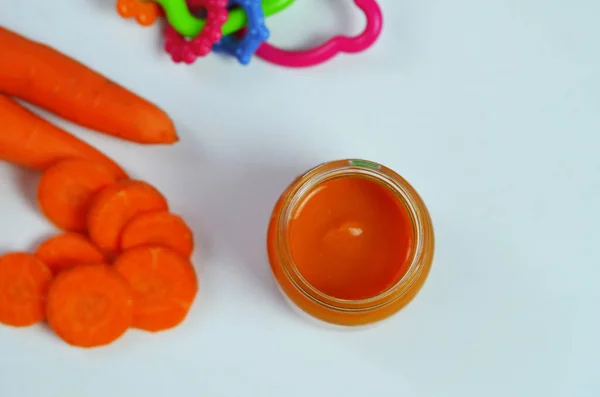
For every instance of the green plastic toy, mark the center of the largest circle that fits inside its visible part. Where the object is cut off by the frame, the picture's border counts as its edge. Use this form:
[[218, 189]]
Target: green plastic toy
[[188, 25]]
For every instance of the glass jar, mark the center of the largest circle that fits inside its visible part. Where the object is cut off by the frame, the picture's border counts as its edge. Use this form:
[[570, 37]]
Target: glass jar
[[330, 309]]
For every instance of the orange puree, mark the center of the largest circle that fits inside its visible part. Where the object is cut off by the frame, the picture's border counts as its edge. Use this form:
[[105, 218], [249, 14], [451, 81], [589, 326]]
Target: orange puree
[[351, 238]]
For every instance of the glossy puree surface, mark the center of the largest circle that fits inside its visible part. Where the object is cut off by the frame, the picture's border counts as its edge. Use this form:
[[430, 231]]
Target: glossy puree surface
[[351, 238]]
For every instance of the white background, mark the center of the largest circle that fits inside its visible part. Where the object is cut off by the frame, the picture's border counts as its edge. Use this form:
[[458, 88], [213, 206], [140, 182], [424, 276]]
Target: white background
[[491, 109]]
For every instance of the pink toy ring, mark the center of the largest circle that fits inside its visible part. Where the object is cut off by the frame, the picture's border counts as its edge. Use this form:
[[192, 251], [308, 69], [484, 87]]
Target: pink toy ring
[[184, 50], [335, 46]]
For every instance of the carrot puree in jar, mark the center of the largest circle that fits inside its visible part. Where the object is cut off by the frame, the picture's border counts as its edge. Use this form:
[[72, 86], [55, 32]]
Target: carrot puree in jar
[[350, 242], [351, 238]]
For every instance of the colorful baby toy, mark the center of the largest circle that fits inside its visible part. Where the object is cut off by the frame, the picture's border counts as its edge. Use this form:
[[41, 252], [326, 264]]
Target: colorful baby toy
[[237, 28], [253, 36], [182, 49], [179, 16]]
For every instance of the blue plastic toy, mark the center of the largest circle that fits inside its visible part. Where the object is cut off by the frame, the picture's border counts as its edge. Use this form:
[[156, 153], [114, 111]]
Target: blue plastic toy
[[256, 33]]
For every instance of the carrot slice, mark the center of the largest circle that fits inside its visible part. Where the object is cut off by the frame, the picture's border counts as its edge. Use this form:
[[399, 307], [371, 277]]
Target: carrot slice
[[66, 190], [24, 282], [67, 250], [89, 306], [116, 205], [164, 286], [158, 228]]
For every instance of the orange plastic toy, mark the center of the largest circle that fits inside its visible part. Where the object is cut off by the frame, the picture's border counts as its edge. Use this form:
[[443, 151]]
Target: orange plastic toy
[[144, 12]]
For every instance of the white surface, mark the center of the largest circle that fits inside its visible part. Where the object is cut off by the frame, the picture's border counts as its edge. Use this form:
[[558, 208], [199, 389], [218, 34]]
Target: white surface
[[491, 109]]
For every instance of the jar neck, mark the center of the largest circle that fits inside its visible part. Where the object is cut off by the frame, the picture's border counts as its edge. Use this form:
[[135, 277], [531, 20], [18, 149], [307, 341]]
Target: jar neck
[[420, 255]]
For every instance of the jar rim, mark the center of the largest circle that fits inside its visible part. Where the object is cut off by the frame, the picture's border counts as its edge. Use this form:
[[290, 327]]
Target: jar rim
[[421, 249]]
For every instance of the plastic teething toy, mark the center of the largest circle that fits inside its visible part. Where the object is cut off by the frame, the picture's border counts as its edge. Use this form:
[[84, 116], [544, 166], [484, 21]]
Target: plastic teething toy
[[188, 25], [183, 50], [256, 33], [145, 13], [241, 31], [335, 46]]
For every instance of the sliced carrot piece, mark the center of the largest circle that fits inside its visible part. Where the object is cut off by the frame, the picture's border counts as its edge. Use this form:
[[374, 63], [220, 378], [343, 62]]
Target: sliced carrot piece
[[89, 305], [164, 286], [67, 250], [116, 205], [158, 228], [66, 190], [24, 282]]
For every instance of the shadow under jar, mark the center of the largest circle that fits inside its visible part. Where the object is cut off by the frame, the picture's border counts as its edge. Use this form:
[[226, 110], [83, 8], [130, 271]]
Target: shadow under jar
[[350, 242]]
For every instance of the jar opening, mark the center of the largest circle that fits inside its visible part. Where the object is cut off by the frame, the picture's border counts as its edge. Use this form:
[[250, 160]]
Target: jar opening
[[319, 224], [350, 237]]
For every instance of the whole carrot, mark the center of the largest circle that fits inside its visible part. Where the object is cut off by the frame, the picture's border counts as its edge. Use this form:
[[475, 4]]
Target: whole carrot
[[28, 140], [43, 76]]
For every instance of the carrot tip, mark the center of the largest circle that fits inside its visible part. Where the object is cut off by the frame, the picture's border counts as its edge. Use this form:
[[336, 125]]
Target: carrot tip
[[98, 104]]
